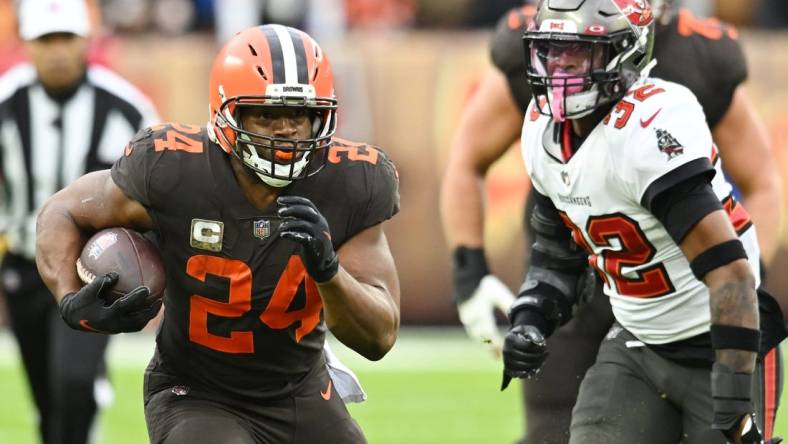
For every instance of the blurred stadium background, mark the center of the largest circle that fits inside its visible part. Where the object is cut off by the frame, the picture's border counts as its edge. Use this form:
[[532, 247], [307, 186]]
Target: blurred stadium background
[[404, 70]]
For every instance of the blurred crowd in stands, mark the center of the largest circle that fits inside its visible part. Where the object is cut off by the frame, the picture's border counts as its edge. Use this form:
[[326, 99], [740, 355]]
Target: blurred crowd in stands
[[224, 17], [329, 19]]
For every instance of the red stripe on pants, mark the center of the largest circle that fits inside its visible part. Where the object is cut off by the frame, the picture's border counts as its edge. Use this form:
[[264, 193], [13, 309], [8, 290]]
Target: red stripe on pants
[[769, 392]]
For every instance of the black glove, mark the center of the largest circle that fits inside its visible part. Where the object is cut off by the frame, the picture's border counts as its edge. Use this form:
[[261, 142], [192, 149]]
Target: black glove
[[304, 224], [524, 352], [87, 309]]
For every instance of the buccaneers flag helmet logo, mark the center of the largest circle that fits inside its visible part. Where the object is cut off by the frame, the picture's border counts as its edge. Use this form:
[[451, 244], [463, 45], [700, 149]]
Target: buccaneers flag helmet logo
[[638, 12]]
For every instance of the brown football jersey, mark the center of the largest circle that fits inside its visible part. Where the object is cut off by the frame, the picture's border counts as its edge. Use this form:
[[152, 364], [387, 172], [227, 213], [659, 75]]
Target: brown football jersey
[[242, 317]]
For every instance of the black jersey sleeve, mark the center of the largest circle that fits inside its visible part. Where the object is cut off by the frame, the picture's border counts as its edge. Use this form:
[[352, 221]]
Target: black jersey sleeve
[[508, 53], [132, 171], [382, 195]]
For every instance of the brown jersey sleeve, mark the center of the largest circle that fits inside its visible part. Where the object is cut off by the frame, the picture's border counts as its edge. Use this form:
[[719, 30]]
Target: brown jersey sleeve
[[132, 172], [381, 182], [150, 168]]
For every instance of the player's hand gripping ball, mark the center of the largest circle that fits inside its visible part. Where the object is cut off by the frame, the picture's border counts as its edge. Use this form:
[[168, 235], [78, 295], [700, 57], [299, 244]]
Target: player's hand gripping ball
[[124, 284], [135, 259]]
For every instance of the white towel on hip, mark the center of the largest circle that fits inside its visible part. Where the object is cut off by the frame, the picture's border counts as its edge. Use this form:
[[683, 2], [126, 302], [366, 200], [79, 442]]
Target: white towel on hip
[[345, 381]]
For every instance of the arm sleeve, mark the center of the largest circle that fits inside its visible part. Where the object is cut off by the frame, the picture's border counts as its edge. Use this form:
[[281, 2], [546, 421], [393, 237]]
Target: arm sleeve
[[680, 207], [556, 270]]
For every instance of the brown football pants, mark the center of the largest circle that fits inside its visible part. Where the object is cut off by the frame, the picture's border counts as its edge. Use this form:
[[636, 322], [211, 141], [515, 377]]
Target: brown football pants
[[314, 414]]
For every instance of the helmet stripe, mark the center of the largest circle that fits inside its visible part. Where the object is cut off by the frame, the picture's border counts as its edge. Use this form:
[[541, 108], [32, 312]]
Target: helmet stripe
[[300, 54], [277, 57], [288, 54]]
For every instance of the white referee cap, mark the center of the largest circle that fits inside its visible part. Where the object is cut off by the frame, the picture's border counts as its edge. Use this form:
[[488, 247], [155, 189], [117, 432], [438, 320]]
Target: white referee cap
[[41, 17]]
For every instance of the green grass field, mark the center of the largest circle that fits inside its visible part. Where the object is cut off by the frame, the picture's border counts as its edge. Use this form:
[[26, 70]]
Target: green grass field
[[435, 387]]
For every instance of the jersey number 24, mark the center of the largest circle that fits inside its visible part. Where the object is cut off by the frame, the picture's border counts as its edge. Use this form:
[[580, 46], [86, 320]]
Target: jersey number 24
[[276, 315]]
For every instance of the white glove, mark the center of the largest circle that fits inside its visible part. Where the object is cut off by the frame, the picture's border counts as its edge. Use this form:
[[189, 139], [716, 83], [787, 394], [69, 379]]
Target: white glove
[[478, 313]]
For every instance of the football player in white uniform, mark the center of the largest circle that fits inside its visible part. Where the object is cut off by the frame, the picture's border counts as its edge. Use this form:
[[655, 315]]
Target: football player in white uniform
[[624, 166]]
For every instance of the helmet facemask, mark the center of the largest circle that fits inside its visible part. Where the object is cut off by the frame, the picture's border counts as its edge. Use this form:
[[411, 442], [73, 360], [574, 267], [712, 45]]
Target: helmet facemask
[[278, 161], [574, 73], [569, 74]]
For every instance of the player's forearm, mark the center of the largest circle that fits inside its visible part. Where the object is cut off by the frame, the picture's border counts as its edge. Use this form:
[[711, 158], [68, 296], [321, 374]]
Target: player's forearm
[[362, 316], [58, 244], [764, 204], [462, 207], [733, 302]]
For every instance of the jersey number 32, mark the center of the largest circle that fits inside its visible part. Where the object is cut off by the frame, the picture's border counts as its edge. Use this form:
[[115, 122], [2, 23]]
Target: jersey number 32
[[635, 250]]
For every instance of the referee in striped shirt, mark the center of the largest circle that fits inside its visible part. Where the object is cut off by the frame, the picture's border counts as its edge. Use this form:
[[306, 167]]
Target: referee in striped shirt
[[59, 119]]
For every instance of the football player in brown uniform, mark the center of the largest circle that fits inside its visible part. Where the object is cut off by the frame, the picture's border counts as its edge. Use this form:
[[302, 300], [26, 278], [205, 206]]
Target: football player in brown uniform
[[271, 232], [702, 54]]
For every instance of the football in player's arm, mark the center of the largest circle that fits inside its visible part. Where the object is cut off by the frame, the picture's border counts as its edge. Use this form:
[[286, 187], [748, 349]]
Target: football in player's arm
[[259, 210], [628, 164]]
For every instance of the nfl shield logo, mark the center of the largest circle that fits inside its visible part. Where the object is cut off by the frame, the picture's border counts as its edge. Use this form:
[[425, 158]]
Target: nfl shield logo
[[261, 228]]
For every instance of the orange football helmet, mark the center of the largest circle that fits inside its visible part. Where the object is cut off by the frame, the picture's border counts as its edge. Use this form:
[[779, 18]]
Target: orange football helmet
[[278, 66]]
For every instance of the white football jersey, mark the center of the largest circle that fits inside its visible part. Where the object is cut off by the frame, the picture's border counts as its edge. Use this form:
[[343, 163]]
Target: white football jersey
[[655, 137]]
